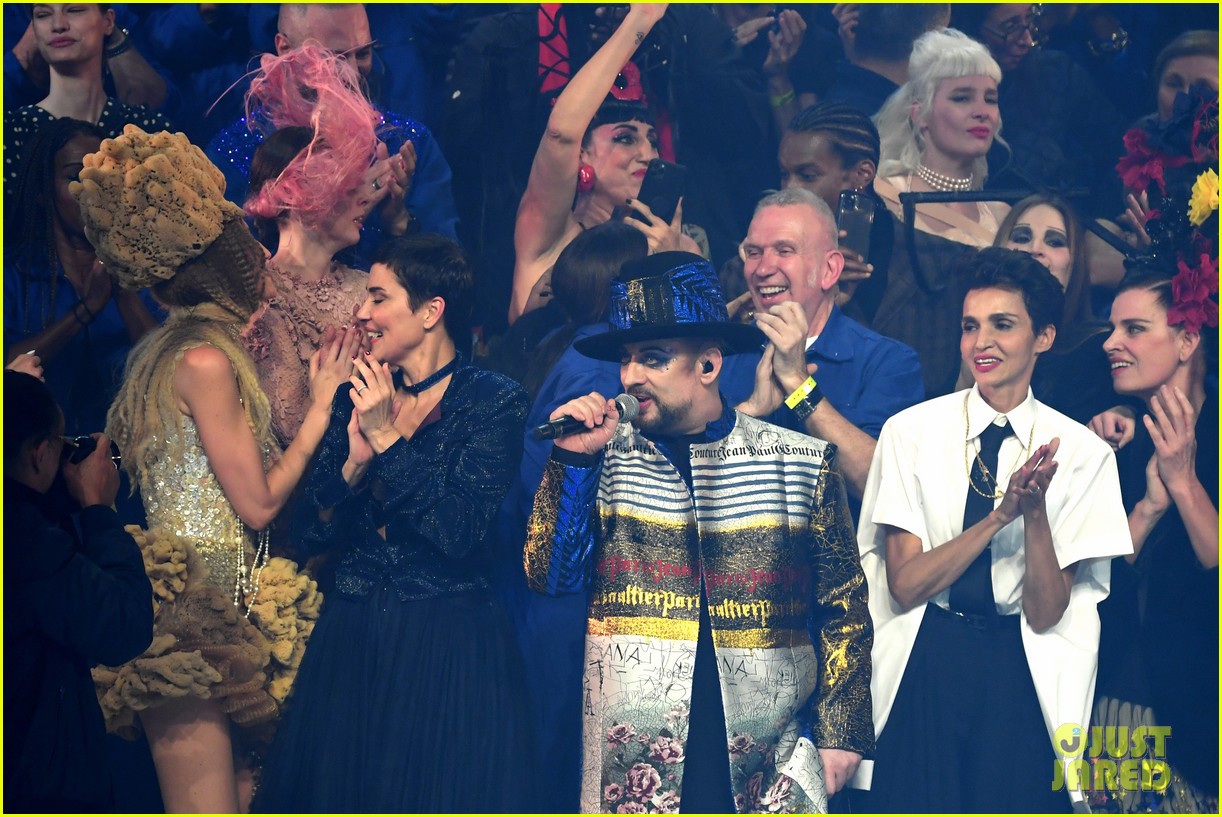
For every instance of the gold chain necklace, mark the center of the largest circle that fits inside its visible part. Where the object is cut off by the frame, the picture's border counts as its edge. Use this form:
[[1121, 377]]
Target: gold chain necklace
[[995, 493]]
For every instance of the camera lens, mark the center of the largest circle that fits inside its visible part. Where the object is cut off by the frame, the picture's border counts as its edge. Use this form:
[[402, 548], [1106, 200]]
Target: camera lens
[[82, 447]]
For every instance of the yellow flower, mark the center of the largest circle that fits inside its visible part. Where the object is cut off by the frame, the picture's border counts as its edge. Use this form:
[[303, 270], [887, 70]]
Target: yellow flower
[[1204, 197]]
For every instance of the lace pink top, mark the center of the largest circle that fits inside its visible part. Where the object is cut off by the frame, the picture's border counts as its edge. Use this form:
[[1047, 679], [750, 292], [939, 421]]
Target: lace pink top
[[286, 331]]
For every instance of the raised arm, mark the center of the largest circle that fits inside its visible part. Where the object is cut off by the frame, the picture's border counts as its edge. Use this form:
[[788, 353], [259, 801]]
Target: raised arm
[[207, 390], [544, 210]]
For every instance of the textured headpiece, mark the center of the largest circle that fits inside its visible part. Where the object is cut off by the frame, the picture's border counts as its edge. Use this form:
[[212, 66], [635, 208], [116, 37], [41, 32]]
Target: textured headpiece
[[313, 88], [151, 203]]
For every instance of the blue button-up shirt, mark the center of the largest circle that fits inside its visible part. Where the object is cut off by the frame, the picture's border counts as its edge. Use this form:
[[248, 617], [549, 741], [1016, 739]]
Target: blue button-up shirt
[[866, 376]]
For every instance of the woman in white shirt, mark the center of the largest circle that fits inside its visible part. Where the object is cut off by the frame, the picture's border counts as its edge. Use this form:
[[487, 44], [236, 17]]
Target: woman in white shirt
[[984, 577]]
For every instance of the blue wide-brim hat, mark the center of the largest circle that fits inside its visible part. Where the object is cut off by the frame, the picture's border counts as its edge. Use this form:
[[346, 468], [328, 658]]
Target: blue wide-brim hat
[[669, 295]]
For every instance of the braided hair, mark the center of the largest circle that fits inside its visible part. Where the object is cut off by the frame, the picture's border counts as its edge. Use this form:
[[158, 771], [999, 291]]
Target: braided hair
[[30, 234], [852, 135]]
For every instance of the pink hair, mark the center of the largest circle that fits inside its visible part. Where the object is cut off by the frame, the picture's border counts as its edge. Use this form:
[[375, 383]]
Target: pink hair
[[312, 87]]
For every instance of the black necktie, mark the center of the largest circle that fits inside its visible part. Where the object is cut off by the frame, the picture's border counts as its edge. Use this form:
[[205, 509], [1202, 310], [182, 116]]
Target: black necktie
[[973, 591]]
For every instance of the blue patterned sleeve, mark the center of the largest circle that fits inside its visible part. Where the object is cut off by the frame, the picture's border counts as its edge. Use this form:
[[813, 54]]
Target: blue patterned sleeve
[[231, 150], [561, 536], [430, 199]]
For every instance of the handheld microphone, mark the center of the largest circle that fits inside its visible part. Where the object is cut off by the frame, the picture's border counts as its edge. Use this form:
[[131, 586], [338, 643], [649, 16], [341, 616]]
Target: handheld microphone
[[625, 404]]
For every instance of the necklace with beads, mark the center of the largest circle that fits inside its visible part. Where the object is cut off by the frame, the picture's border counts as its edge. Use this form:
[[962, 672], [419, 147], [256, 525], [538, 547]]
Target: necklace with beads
[[942, 182], [995, 491]]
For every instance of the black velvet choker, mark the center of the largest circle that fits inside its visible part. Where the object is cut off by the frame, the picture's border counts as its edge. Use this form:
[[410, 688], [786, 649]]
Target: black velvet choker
[[432, 380]]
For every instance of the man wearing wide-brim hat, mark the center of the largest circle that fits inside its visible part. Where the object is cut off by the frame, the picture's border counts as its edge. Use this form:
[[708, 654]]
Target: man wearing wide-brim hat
[[727, 628]]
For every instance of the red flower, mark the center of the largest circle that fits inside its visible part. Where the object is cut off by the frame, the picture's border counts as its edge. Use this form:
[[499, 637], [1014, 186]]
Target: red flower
[[1191, 289], [1205, 133], [1142, 164]]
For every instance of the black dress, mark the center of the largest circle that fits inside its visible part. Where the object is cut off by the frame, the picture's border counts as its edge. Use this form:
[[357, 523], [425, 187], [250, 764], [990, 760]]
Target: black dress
[[1159, 642], [410, 696]]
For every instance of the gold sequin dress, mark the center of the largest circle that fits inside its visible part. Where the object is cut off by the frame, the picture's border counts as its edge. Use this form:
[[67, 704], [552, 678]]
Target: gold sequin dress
[[228, 626]]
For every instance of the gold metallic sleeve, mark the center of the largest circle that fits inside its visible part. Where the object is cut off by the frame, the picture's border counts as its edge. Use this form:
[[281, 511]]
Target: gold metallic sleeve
[[842, 713]]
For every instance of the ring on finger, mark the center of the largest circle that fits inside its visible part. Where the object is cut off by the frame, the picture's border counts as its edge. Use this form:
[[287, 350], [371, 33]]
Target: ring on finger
[[377, 184], [361, 389]]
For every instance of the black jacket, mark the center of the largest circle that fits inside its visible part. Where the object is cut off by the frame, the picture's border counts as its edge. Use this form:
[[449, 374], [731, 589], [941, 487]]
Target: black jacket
[[68, 604]]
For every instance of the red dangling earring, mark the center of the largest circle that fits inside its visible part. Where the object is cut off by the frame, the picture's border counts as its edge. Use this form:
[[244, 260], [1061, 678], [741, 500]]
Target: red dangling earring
[[585, 179]]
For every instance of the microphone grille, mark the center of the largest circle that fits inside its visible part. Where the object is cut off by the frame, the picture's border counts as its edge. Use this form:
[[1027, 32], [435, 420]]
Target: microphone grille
[[628, 407]]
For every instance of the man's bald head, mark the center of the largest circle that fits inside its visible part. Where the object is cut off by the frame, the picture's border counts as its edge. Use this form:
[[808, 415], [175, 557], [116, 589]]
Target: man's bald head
[[340, 27]]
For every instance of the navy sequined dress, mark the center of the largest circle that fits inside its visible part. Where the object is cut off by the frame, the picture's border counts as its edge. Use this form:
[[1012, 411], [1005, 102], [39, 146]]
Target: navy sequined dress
[[410, 697]]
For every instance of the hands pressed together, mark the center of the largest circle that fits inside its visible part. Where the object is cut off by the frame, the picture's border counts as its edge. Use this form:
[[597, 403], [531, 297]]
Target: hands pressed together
[[782, 367], [1026, 494], [1172, 426], [375, 405], [389, 178]]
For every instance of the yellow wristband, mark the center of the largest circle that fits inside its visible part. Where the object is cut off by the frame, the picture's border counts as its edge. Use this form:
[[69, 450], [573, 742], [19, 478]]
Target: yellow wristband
[[801, 393]]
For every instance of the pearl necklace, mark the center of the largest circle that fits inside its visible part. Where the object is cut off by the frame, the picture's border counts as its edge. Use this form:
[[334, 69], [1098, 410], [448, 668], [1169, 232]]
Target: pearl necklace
[[942, 183]]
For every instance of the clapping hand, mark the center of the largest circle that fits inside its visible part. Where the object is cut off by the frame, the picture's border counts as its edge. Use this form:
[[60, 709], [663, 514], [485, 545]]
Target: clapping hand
[[373, 396], [1172, 426], [1028, 486], [392, 180], [785, 325], [767, 394], [331, 364], [1115, 426]]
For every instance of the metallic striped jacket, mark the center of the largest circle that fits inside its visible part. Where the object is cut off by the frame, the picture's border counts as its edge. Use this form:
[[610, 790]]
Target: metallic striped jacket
[[766, 529]]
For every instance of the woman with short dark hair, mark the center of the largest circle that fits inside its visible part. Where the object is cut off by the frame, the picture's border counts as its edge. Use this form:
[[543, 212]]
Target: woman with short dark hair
[[410, 697], [987, 523]]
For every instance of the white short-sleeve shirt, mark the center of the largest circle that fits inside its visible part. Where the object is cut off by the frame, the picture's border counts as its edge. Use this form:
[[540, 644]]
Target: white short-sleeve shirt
[[918, 482]]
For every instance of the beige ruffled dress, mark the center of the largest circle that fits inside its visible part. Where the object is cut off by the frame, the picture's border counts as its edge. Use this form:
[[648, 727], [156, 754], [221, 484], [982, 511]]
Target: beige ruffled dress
[[230, 624]]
